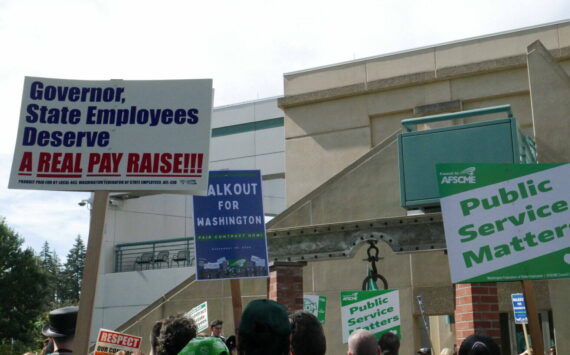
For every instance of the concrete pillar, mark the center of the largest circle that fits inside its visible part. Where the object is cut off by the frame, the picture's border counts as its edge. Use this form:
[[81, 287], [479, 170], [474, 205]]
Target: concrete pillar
[[476, 311], [549, 92], [286, 283]]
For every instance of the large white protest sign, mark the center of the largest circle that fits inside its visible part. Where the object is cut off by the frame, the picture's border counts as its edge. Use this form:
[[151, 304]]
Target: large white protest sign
[[506, 222], [117, 135], [377, 311]]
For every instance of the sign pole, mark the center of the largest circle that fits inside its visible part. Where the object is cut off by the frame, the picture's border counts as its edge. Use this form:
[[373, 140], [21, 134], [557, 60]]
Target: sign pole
[[236, 301], [90, 271], [526, 344], [425, 320], [535, 335]]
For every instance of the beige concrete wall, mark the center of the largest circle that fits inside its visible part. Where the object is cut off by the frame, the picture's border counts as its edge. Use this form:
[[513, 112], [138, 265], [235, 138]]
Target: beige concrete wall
[[440, 57], [550, 89], [329, 137], [337, 104]]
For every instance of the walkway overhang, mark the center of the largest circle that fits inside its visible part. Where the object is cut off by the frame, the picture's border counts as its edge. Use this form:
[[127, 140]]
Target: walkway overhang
[[337, 240]]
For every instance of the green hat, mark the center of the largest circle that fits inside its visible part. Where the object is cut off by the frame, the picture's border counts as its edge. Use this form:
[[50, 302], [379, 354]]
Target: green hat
[[205, 346], [264, 316]]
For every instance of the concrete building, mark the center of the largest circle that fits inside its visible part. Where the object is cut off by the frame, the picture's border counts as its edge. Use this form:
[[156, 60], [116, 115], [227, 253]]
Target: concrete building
[[342, 186], [347, 116], [244, 136]]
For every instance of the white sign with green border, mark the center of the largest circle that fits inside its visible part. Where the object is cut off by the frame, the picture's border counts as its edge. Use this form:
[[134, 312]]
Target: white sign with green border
[[200, 316], [506, 222], [377, 311], [316, 305]]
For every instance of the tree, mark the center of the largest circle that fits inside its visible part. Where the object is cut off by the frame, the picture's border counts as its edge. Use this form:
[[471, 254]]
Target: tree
[[52, 267], [22, 284], [72, 273]]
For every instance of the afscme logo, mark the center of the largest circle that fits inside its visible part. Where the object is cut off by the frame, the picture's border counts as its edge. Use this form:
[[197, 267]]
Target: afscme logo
[[469, 171], [467, 176], [351, 297], [459, 179]]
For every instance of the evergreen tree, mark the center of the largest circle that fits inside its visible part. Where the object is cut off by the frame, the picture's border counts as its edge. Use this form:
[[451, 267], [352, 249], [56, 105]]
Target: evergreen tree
[[52, 267], [22, 284], [72, 273]]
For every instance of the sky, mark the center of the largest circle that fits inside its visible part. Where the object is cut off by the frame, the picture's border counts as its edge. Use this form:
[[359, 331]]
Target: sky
[[244, 46]]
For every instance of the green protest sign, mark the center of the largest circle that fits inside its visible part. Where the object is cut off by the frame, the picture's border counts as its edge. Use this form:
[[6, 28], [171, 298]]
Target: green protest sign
[[376, 311], [506, 222], [317, 305]]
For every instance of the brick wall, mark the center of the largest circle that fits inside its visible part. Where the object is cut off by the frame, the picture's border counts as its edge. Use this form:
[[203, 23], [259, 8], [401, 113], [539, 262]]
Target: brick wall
[[286, 284], [477, 311]]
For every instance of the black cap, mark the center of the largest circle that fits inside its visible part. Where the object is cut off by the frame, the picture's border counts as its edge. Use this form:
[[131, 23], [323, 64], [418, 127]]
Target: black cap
[[61, 322], [264, 316], [231, 342]]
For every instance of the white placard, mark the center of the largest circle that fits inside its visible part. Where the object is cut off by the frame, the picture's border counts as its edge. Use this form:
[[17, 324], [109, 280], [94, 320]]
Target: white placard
[[117, 135], [200, 316]]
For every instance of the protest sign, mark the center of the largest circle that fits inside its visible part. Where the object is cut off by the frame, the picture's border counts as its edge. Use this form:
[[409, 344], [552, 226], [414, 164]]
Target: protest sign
[[230, 227], [377, 311], [117, 135], [200, 316], [110, 342], [316, 305], [506, 222], [519, 308]]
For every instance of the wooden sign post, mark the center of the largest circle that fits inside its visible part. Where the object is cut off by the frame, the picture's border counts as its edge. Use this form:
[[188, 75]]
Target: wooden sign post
[[532, 313], [236, 301], [90, 271]]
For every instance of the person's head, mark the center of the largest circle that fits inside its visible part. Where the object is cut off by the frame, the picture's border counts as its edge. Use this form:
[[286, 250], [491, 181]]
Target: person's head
[[307, 335], [264, 329], [216, 328], [61, 326], [205, 346], [231, 343], [154, 334], [362, 342], [478, 344], [446, 351], [389, 343], [175, 333]]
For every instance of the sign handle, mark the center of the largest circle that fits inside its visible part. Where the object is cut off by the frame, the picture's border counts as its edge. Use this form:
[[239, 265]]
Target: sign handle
[[425, 321], [236, 301], [535, 335], [527, 346], [90, 271]]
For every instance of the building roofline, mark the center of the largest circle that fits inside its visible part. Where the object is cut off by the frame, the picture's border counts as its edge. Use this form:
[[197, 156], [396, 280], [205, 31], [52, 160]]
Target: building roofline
[[433, 46], [244, 103]]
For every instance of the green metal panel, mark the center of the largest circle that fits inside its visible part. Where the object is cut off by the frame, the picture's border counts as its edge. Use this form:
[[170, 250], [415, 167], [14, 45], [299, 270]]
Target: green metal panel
[[496, 141]]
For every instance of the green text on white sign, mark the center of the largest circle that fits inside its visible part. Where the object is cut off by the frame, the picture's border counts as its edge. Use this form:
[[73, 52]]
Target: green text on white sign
[[377, 311], [506, 222]]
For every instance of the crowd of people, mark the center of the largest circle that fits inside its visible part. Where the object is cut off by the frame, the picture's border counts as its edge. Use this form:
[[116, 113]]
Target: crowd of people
[[265, 328]]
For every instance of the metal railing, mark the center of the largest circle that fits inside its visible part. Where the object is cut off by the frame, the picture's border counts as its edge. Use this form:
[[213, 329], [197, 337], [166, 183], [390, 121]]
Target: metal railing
[[410, 123], [157, 254]]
